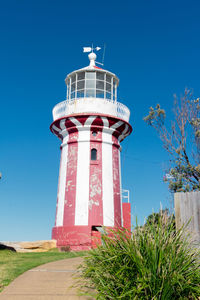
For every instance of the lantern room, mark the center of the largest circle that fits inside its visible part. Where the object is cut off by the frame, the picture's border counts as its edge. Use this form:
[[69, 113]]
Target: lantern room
[[92, 83], [91, 90]]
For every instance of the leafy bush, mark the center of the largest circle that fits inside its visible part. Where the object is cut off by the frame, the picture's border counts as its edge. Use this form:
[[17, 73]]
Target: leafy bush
[[154, 262]]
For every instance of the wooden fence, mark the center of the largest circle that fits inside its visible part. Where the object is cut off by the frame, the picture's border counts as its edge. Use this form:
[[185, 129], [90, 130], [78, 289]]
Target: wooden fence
[[187, 208]]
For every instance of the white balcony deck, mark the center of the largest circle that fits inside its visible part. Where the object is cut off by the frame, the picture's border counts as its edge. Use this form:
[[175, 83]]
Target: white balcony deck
[[91, 105]]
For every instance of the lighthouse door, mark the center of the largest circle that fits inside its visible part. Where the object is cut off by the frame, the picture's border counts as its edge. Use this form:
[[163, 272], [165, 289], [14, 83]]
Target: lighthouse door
[[96, 234]]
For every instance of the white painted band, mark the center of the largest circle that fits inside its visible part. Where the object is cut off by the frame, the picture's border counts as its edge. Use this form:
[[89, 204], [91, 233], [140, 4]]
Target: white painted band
[[62, 183], [83, 171], [107, 176], [120, 184]]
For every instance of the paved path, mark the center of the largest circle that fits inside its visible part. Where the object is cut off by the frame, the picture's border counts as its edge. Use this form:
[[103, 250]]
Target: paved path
[[51, 281]]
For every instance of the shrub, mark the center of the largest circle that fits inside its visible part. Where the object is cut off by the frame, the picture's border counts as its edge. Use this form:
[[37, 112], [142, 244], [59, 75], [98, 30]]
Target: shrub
[[155, 262]]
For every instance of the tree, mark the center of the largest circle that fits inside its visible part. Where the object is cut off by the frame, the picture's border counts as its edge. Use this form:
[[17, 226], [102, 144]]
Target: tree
[[154, 217], [181, 139], [164, 214]]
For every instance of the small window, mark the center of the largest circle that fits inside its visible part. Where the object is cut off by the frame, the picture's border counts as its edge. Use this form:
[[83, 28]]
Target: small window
[[94, 154], [94, 133]]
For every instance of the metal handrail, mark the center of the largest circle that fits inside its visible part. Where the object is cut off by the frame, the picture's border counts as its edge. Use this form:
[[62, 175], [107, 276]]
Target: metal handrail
[[91, 105]]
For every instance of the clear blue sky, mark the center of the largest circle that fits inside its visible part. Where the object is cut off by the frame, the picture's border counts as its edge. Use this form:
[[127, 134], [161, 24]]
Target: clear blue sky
[[153, 47]]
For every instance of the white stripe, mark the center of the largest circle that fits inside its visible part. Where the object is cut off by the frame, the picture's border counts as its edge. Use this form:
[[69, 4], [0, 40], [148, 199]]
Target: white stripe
[[62, 124], [62, 183], [120, 184], [64, 131], [75, 121], [117, 124], [105, 121], [83, 172], [55, 128], [89, 121], [123, 132], [107, 176]]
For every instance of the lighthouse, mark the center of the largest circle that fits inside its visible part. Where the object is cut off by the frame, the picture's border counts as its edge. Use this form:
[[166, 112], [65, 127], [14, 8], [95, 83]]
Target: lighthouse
[[91, 124]]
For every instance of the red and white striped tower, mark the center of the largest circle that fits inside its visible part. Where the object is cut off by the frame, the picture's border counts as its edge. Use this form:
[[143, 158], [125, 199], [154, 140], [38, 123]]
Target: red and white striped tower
[[91, 123]]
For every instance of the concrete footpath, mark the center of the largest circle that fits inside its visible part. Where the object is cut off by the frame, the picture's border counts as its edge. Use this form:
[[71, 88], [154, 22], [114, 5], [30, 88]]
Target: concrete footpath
[[52, 281]]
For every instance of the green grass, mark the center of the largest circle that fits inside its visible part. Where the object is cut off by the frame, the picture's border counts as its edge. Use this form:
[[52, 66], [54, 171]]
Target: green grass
[[154, 263], [13, 264]]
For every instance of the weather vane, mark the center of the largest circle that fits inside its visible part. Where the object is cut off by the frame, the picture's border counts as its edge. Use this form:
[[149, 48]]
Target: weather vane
[[91, 49]]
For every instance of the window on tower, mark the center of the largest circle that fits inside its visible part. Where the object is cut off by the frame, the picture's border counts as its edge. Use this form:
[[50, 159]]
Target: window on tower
[[94, 133], [93, 154]]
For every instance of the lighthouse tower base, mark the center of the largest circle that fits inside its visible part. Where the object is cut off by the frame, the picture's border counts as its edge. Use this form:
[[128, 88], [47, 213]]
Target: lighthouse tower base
[[78, 238]]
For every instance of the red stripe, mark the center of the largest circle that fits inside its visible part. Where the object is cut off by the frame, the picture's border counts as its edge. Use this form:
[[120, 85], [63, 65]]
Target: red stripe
[[95, 216], [116, 182], [70, 187], [126, 215], [58, 187]]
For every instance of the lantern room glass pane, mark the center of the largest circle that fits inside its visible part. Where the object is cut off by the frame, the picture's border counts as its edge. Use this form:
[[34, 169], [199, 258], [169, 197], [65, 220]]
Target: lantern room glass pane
[[108, 78], [99, 94], [73, 78], [108, 87], [73, 95], [90, 75], [100, 85], [80, 94], [73, 87], [80, 85], [113, 92], [100, 75], [81, 75], [90, 93], [90, 84], [108, 95]]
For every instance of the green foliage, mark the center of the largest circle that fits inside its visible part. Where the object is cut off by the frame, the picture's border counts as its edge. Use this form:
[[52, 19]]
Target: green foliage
[[164, 214], [155, 262], [181, 140], [12, 264]]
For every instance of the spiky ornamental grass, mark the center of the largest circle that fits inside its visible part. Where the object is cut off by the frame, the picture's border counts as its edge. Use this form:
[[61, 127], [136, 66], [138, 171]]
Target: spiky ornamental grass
[[154, 263]]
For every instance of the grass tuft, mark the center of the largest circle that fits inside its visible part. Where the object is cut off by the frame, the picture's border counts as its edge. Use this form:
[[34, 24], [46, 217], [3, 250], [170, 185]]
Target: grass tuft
[[155, 262]]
